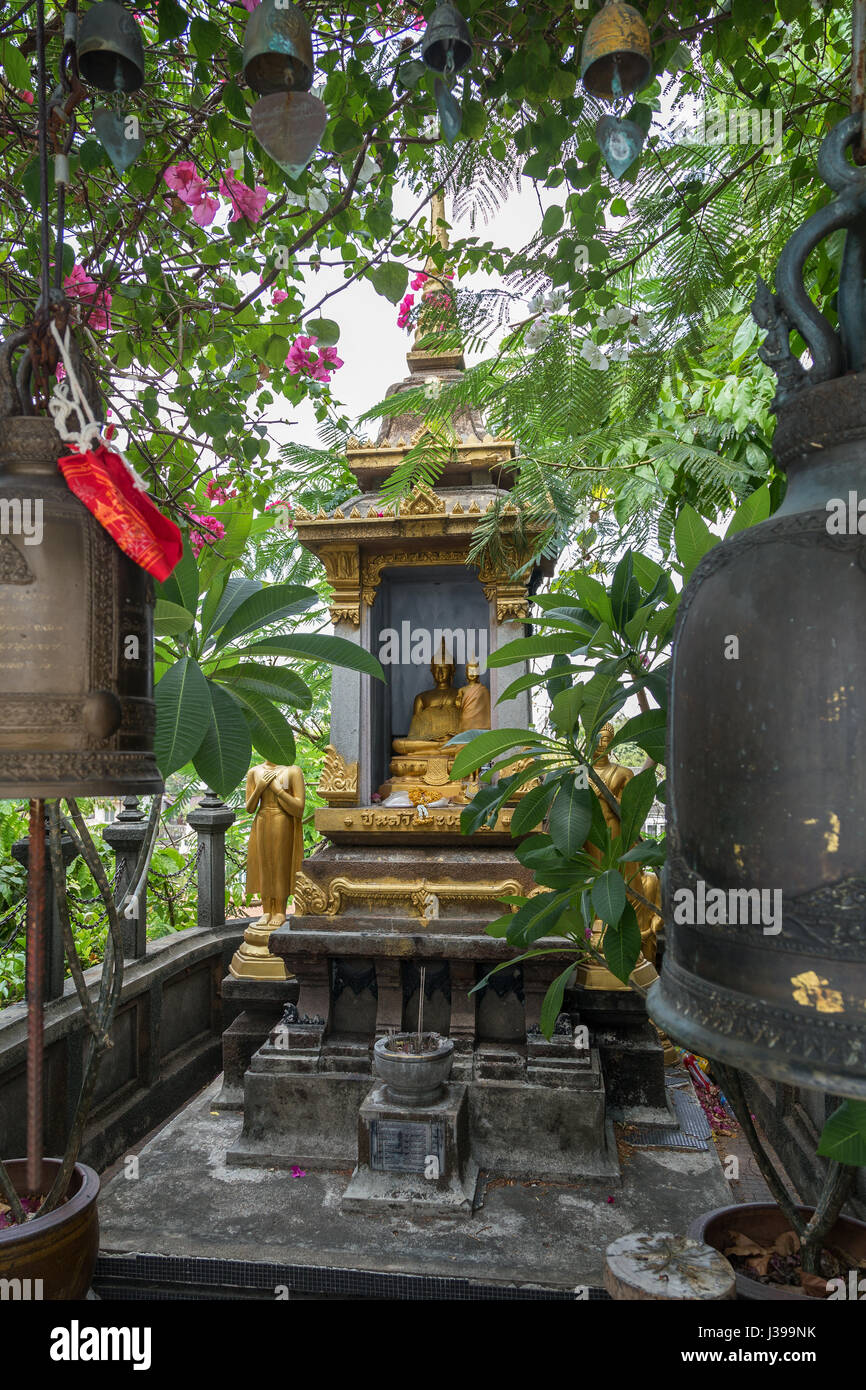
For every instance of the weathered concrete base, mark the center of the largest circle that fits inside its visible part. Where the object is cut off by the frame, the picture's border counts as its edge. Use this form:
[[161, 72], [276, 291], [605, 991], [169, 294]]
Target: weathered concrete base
[[261, 1002], [632, 1058], [188, 1203], [537, 1110], [439, 1180]]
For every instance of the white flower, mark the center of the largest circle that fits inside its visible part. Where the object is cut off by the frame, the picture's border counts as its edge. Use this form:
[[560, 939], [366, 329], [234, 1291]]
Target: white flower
[[236, 160], [537, 333], [294, 200], [433, 387], [643, 326], [618, 352], [593, 356], [554, 300], [368, 169], [317, 200], [611, 317], [536, 303]]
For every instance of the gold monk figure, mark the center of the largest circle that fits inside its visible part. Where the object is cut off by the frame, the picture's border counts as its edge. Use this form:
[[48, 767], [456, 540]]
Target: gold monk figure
[[435, 716], [276, 846], [473, 700]]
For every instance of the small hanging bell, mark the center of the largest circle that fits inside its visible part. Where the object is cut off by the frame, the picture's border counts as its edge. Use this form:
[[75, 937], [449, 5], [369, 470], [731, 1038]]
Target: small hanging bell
[[278, 49], [110, 49], [447, 37], [616, 58]]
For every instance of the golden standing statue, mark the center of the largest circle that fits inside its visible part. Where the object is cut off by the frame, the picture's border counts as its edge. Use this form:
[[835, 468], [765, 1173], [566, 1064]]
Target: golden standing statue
[[473, 701], [274, 854]]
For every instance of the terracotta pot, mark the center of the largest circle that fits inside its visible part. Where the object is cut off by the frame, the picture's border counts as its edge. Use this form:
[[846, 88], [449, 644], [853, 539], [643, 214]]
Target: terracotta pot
[[764, 1222], [61, 1248]]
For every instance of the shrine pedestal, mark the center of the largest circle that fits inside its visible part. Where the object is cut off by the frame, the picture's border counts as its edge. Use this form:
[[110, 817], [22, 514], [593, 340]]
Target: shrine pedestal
[[414, 1159]]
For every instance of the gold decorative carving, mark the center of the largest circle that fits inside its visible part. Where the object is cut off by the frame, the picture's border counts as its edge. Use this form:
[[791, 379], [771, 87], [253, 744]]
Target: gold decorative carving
[[373, 565], [421, 897], [342, 568], [423, 502], [373, 820], [338, 783]]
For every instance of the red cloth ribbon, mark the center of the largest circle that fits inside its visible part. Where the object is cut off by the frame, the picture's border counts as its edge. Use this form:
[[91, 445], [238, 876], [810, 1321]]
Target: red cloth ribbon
[[101, 480]]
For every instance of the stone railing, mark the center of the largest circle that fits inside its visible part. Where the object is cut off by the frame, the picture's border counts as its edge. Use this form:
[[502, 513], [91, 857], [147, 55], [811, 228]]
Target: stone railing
[[166, 1036]]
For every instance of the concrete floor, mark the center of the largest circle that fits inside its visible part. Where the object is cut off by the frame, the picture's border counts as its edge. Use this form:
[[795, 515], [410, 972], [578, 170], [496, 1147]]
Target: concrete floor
[[186, 1202]]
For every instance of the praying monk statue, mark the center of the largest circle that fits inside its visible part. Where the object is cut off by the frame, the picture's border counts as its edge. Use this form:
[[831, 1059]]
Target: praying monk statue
[[473, 700], [274, 854]]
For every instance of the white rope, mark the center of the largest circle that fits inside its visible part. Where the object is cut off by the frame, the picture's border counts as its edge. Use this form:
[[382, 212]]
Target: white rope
[[63, 404]]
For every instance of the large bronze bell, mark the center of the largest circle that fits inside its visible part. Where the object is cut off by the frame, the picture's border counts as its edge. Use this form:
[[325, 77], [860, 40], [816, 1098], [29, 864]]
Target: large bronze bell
[[110, 49], [765, 886], [77, 714], [616, 57], [446, 36], [278, 49]]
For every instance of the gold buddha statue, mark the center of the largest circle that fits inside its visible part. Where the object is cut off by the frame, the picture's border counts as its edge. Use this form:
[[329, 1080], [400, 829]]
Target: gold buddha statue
[[473, 701], [437, 715], [274, 855], [593, 975]]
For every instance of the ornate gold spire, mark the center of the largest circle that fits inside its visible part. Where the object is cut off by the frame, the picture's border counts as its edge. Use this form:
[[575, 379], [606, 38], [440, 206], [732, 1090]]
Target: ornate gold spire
[[435, 284]]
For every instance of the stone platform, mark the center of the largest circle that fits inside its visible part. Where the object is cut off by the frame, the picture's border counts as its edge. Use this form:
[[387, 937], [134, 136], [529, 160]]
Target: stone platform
[[541, 1239]]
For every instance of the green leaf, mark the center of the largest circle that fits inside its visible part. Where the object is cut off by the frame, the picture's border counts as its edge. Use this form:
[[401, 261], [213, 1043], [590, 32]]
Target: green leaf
[[744, 337], [270, 732], [325, 331], [219, 606], [205, 38], [265, 606], [523, 648], [552, 220], [345, 136], [693, 538], [183, 706], [282, 686], [315, 646], [552, 1006], [566, 708], [92, 155], [483, 748], [390, 280], [181, 587], [843, 1137], [225, 751], [755, 508], [647, 730], [172, 19], [570, 817], [532, 808], [622, 943], [16, 66], [635, 800], [608, 896], [170, 619], [625, 593]]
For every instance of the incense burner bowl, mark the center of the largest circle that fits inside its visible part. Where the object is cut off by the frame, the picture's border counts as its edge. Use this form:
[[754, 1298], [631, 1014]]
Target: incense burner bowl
[[413, 1077]]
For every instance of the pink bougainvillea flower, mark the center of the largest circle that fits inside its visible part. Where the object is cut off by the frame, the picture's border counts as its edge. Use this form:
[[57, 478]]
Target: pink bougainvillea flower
[[319, 365], [205, 211], [26, 96], [79, 285], [251, 5], [185, 180], [246, 202], [298, 1172], [420, 279], [278, 296], [213, 530]]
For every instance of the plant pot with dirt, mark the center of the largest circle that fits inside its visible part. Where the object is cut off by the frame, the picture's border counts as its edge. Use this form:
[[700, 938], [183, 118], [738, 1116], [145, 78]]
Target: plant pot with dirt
[[50, 1256]]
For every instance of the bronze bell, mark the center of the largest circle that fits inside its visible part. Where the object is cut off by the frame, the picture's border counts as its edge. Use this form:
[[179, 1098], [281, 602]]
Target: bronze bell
[[77, 715], [616, 57], [446, 36], [110, 49], [765, 884], [278, 49]]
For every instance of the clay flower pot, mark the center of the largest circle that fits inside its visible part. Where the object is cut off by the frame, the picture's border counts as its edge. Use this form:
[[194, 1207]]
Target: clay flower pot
[[413, 1077], [764, 1222], [59, 1249]]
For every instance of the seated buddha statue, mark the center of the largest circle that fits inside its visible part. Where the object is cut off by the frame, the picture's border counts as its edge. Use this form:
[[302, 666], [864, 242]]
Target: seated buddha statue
[[421, 760]]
